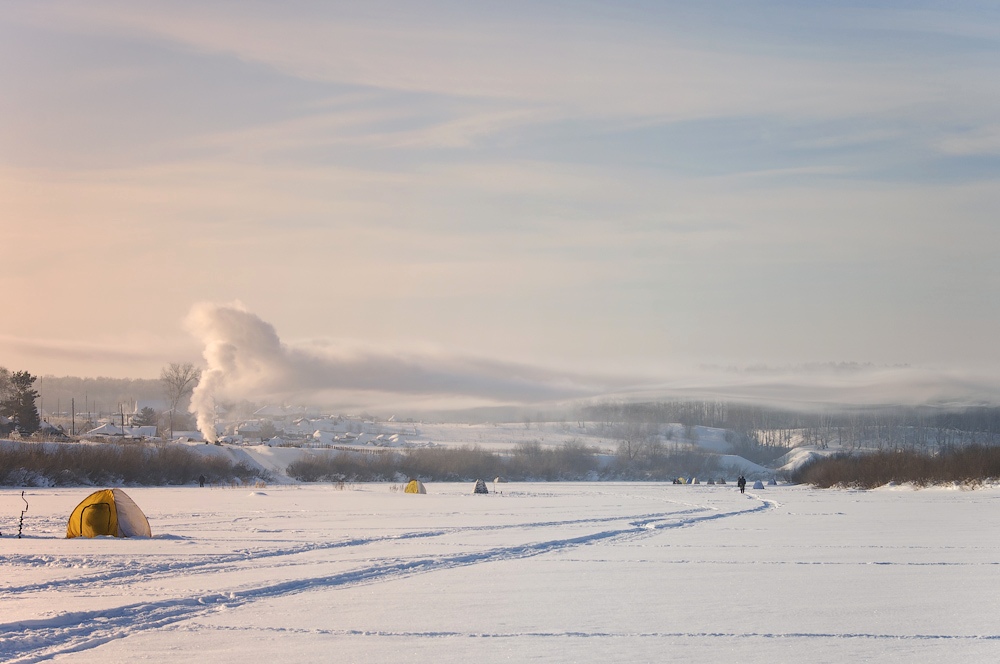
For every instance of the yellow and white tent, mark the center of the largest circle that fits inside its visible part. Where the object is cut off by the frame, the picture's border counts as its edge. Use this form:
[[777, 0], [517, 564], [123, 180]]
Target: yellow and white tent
[[415, 486], [108, 512]]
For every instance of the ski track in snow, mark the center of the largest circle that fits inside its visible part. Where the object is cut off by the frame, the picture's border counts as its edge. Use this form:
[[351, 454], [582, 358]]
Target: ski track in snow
[[630, 635], [217, 562], [42, 639]]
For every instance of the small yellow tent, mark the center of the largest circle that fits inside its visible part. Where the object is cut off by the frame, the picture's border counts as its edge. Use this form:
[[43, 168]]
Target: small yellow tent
[[415, 486], [108, 512]]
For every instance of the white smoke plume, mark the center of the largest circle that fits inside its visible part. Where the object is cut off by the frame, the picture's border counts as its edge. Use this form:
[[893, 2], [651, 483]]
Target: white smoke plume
[[245, 359]]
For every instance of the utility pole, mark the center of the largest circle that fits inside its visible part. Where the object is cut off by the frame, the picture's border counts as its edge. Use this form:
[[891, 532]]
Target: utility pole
[[72, 408]]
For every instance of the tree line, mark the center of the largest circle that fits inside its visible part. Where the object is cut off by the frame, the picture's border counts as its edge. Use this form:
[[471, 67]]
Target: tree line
[[530, 461], [758, 432], [19, 398], [755, 426]]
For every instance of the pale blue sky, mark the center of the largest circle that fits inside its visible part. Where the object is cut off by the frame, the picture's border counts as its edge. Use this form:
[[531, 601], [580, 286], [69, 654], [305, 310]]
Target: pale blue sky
[[630, 188]]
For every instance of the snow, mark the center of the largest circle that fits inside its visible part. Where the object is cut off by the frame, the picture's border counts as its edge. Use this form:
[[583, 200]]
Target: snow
[[799, 457], [558, 572], [737, 465], [109, 429]]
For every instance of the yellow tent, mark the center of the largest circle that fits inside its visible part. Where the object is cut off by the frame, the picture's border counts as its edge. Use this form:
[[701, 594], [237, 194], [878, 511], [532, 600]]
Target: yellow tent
[[108, 512], [415, 486]]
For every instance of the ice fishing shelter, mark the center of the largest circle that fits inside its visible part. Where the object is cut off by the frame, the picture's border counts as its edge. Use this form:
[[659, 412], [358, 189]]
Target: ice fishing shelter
[[480, 487], [108, 512], [415, 486]]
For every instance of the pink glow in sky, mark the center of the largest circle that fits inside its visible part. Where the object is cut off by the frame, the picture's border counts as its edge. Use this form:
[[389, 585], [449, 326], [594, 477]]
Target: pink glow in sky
[[589, 189]]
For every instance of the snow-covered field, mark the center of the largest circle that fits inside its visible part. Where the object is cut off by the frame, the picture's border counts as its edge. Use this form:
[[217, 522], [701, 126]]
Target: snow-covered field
[[560, 572]]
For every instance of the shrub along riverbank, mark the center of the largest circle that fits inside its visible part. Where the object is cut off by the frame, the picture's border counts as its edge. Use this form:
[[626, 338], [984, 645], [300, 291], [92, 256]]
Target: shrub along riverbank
[[969, 465], [145, 464], [525, 462], [113, 464], [149, 464]]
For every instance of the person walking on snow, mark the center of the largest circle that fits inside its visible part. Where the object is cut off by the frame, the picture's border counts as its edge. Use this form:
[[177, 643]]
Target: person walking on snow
[[742, 483]]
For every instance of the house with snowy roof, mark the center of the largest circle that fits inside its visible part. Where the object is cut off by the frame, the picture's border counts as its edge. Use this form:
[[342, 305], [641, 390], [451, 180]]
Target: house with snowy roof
[[110, 430]]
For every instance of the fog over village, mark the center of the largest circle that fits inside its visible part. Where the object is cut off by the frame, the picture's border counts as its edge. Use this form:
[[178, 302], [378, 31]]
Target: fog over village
[[328, 325]]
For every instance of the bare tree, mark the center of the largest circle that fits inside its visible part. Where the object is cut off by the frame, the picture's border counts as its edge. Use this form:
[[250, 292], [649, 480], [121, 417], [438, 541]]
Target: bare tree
[[179, 381], [634, 439]]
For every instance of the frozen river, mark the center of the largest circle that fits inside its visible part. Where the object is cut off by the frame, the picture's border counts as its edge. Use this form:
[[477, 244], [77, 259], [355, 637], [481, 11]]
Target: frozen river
[[554, 572]]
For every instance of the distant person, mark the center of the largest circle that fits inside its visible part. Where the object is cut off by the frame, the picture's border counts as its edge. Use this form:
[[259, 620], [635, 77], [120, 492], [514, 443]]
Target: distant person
[[742, 483], [201, 480]]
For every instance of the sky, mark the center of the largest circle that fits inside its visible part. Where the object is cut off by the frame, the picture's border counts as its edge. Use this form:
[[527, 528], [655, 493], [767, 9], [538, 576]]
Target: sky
[[635, 190]]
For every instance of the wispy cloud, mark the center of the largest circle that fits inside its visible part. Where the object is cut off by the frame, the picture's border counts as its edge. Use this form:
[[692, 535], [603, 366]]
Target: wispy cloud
[[55, 351], [980, 141], [545, 184], [583, 66]]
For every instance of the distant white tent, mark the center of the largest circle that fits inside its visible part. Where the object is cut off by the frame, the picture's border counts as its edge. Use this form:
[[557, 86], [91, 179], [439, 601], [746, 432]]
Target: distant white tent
[[758, 485]]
